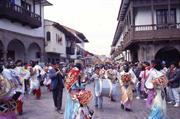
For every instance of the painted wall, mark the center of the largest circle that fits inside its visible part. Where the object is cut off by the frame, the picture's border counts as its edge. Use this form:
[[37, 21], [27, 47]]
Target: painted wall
[[178, 15], [19, 28], [53, 45]]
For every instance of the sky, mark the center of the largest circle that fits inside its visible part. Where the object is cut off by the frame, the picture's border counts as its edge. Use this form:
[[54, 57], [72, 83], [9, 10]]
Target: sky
[[96, 19]]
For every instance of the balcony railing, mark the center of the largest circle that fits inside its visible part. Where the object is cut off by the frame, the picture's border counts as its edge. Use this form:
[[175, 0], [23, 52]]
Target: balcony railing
[[19, 14], [144, 33]]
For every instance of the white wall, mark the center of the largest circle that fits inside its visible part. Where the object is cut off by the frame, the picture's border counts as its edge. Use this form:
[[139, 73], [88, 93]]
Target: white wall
[[19, 28], [143, 16], [178, 15], [52, 45], [18, 2]]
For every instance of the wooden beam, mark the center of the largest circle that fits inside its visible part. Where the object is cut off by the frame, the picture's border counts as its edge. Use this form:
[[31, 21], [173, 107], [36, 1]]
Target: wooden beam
[[132, 14], [169, 11], [152, 12], [40, 6], [34, 6]]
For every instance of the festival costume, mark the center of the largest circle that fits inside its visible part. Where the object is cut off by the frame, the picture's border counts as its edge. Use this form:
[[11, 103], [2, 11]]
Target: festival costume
[[23, 75], [9, 93], [77, 97], [156, 83], [35, 81], [127, 81], [112, 75]]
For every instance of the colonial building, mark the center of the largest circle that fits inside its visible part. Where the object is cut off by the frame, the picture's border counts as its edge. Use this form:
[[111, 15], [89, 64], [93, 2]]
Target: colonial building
[[59, 42], [146, 30], [62, 44], [22, 29], [79, 46]]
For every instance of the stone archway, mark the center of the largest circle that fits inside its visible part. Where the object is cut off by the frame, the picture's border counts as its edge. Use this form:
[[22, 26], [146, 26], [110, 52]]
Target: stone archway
[[16, 50], [34, 52], [168, 54]]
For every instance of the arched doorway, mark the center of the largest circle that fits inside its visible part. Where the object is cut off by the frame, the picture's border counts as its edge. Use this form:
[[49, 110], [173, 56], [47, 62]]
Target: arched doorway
[[168, 54], [16, 50], [34, 52], [1, 50]]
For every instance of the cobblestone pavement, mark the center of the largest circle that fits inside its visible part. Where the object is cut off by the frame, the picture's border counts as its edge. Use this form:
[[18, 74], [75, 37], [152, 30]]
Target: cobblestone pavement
[[44, 109]]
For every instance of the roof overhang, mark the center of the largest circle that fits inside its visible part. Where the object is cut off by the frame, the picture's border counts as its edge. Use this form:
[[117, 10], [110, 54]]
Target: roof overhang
[[66, 32], [117, 33], [123, 10], [77, 34], [43, 2], [80, 35]]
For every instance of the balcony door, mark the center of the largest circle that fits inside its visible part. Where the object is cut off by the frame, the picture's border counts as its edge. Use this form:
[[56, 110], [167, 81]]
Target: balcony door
[[26, 5], [163, 20]]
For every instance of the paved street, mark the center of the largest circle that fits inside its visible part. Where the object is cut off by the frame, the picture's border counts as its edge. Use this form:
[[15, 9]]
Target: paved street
[[44, 109]]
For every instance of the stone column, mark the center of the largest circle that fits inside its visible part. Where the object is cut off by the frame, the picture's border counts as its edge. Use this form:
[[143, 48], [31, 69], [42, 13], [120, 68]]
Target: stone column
[[42, 57], [5, 55], [25, 56]]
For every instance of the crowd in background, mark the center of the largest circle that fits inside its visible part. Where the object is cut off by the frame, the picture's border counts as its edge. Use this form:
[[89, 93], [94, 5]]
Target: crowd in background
[[33, 75]]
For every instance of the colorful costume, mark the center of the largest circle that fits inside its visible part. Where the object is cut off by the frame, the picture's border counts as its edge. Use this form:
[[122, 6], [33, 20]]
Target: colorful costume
[[77, 97], [156, 83], [127, 80], [23, 75], [9, 93], [112, 75], [36, 73]]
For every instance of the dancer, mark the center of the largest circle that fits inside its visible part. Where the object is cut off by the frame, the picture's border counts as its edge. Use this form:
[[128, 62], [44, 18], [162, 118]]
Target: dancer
[[77, 97], [9, 93], [127, 81], [156, 83]]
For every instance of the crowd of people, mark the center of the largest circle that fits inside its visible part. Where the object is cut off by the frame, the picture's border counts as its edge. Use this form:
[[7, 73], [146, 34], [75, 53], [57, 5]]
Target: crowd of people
[[154, 82]]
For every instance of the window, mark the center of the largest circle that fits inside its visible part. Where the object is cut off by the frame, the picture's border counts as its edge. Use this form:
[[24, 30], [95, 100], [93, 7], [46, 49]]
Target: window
[[48, 36], [162, 18], [58, 39], [26, 5]]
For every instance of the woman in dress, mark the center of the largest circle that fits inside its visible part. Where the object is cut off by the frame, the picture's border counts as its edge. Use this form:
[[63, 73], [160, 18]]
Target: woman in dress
[[156, 83], [75, 104]]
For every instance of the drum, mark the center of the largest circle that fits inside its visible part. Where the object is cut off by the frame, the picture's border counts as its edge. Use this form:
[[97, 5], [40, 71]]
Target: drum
[[103, 88]]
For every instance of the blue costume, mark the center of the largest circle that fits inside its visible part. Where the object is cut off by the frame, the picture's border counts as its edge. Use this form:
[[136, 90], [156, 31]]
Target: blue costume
[[76, 94]]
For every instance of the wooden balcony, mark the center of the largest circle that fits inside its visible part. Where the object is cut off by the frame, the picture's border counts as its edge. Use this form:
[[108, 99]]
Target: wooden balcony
[[18, 14], [147, 33]]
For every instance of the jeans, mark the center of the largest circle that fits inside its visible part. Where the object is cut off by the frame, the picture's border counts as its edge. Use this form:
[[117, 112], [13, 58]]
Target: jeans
[[138, 89], [173, 94], [98, 101]]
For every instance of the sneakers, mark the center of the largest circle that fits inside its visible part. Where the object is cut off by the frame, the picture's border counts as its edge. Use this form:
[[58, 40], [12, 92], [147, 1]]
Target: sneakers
[[170, 102], [145, 99], [176, 105], [138, 97]]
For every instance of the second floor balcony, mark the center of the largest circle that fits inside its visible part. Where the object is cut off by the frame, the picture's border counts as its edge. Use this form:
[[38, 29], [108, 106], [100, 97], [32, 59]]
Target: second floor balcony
[[17, 13], [149, 33]]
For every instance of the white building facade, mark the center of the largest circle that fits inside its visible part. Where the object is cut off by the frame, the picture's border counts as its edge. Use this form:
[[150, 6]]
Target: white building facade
[[55, 43], [22, 29]]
